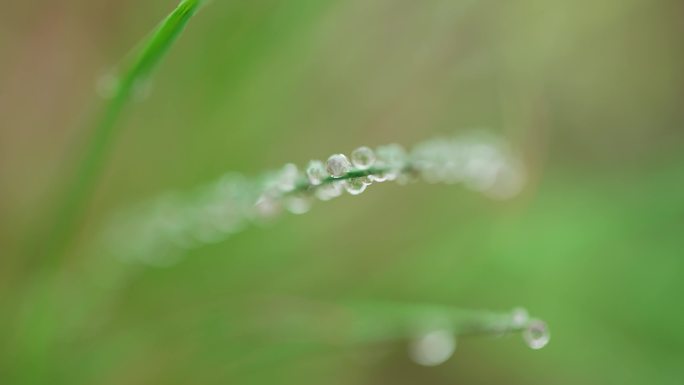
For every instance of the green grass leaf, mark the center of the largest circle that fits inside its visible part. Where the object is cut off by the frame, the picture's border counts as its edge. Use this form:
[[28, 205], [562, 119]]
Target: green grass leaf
[[89, 166]]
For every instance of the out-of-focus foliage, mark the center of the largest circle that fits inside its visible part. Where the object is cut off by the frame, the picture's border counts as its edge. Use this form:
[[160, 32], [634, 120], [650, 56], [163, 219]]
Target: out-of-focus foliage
[[590, 93]]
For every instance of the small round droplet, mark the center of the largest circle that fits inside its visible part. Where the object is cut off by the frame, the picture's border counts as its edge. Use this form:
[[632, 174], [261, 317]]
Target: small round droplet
[[519, 317], [509, 180], [267, 206], [363, 158], [355, 186], [338, 165], [433, 348], [287, 178], [316, 172], [391, 158], [329, 191], [392, 154], [298, 204], [380, 176], [536, 335], [482, 166]]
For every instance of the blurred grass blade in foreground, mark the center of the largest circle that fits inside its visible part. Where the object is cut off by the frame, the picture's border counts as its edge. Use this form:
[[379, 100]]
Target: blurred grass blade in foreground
[[80, 184]]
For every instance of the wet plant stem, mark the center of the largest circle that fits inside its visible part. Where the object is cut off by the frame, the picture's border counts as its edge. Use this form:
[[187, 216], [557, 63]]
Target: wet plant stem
[[303, 185]]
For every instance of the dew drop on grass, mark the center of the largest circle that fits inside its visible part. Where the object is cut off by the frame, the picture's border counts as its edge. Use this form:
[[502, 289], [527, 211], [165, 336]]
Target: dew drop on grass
[[363, 158], [315, 172], [392, 154], [380, 176], [298, 204], [536, 335], [288, 177], [355, 186], [519, 317], [392, 158], [329, 191], [338, 165], [432, 348], [267, 206]]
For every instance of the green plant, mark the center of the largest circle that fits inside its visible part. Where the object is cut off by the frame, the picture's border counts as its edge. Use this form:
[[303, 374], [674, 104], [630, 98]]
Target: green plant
[[480, 165], [89, 165], [157, 232], [37, 329]]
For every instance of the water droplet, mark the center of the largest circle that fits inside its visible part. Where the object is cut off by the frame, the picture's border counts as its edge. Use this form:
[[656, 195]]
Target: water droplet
[[298, 204], [329, 191], [288, 177], [380, 176], [536, 335], [482, 166], [392, 154], [267, 206], [519, 317], [433, 348], [363, 158], [391, 158], [355, 186], [338, 165], [509, 180], [316, 172]]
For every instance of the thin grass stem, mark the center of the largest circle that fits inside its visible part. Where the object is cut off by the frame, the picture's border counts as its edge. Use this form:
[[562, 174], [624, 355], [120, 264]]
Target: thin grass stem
[[80, 185]]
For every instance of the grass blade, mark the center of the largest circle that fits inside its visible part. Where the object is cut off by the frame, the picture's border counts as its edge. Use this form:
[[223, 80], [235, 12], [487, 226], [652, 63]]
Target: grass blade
[[38, 322], [81, 184]]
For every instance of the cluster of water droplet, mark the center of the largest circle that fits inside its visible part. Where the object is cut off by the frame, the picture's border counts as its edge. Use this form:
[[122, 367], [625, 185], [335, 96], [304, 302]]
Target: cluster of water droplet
[[156, 233], [160, 231], [535, 332], [327, 180], [436, 343], [481, 163]]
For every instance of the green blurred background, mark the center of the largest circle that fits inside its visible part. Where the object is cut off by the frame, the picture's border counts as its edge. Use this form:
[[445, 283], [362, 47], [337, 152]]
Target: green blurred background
[[591, 93]]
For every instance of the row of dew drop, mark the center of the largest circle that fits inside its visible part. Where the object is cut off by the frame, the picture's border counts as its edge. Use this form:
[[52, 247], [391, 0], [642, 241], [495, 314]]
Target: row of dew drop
[[482, 166], [434, 346], [157, 233]]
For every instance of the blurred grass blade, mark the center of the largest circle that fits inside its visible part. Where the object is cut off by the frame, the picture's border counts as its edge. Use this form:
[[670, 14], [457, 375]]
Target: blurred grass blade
[[368, 321], [80, 186], [379, 321], [38, 330]]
